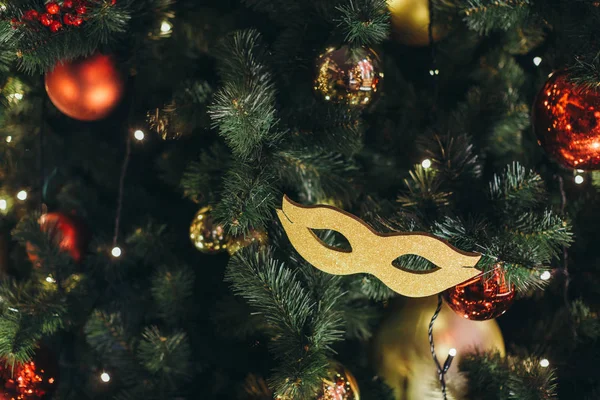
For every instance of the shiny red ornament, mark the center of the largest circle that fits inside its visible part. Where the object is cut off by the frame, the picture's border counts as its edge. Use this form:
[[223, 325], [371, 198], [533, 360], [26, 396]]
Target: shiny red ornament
[[46, 19], [81, 9], [52, 7], [69, 19], [55, 26], [67, 4], [484, 297], [67, 233], [36, 379], [87, 89], [566, 121], [30, 15]]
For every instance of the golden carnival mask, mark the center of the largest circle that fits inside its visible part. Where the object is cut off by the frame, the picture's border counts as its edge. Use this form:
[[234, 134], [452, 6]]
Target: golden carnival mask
[[374, 252]]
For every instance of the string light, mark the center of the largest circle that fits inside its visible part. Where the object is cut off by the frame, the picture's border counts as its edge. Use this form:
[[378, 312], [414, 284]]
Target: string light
[[50, 279], [22, 195], [579, 179], [433, 72], [544, 363], [139, 135], [3, 204], [545, 275], [8, 139], [105, 377], [426, 163], [116, 252], [452, 352], [537, 61], [166, 27]]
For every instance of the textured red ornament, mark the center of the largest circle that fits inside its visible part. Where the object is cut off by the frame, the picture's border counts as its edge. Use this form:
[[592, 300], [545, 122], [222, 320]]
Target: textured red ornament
[[81, 9], [30, 15], [69, 19], [67, 233], [46, 19], [53, 7], [55, 26], [566, 121], [34, 380], [483, 297], [87, 89]]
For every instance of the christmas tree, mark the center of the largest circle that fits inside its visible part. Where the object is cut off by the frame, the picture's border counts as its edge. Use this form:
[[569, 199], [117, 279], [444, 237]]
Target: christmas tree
[[299, 199]]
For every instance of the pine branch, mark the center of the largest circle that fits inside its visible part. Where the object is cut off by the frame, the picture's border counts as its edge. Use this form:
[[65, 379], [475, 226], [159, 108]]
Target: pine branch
[[364, 22], [172, 289], [516, 189], [203, 176], [485, 16], [167, 356]]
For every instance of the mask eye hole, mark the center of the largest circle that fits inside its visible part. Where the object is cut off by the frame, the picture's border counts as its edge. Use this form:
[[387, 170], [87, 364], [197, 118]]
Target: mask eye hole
[[332, 240], [414, 264]]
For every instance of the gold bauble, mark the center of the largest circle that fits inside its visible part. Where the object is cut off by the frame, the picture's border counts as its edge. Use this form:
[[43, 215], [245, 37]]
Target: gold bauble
[[410, 22], [347, 76], [207, 236], [401, 348], [240, 242], [340, 385]]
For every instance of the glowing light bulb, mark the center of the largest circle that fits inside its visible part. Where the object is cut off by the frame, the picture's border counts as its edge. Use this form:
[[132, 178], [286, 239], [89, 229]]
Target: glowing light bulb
[[426, 163], [8, 139], [22, 195], [3, 204], [545, 275], [537, 61], [105, 377], [579, 179], [18, 96], [544, 363], [50, 279], [116, 252], [452, 352], [166, 27], [139, 135]]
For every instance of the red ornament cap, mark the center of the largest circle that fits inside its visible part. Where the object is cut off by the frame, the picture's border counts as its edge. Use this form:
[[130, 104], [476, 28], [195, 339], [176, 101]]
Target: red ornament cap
[[566, 121], [53, 7], [486, 296]]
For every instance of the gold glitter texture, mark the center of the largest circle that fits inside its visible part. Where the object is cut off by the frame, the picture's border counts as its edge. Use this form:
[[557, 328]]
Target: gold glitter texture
[[341, 385], [374, 252], [347, 76], [207, 236]]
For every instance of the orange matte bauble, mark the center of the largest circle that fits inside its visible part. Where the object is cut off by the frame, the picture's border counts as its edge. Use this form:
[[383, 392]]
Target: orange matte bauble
[[487, 296], [87, 89], [566, 121], [65, 232]]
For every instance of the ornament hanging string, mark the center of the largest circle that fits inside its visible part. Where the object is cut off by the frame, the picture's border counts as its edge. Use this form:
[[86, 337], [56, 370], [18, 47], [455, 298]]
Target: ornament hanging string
[[565, 258], [41, 166], [121, 190], [442, 370]]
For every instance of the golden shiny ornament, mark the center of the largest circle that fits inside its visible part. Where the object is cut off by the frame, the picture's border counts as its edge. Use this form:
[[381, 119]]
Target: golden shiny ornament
[[410, 22], [374, 252], [87, 89], [402, 355], [255, 236], [340, 385], [207, 236], [486, 296], [566, 121], [347, 76]]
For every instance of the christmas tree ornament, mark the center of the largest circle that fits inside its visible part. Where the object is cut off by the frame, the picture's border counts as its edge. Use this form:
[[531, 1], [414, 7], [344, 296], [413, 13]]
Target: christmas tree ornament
[[240, 242], [402, 355], [410, 22], [52, 8], [486, 296], [208, 237], [566, 121], [65, 231], [86, 89], [373, 252], [340, 385], [347, 76], [33, 380]]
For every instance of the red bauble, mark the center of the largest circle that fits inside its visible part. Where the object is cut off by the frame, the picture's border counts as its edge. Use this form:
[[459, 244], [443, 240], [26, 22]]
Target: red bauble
[[566, 121], [67, 233], [53, 7], [33, 380], [30, 15], [88, 89], [484, 297], [55, 26], [68, 4], [46, 19]]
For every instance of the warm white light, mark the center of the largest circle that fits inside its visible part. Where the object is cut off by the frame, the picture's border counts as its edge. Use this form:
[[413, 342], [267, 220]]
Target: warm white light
[[139, 135], [105, 377], [22, 195], [50, 279], [3, 204], [116, 251], [452, 352], [537, 61], [544, 363], [166, 27], [426, 163], [580, 171], [545, 275], [579, 179], [18, 96], [8, 139]]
